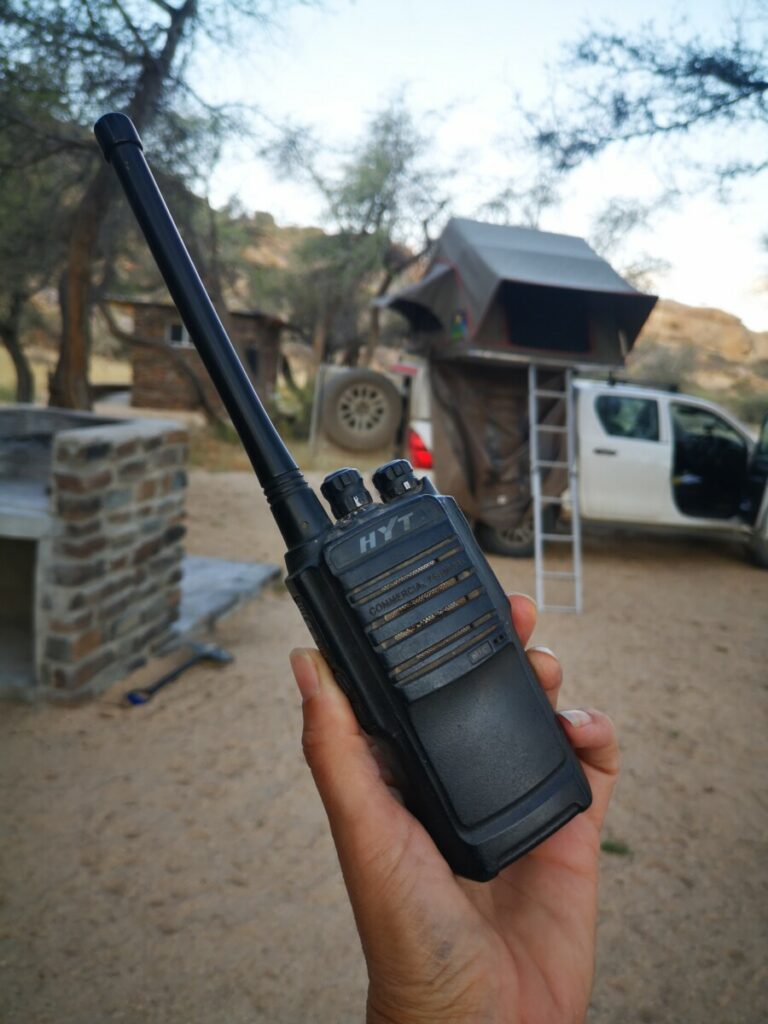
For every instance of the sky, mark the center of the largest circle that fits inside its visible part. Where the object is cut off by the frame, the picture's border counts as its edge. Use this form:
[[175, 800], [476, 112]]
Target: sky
[[463, 65]]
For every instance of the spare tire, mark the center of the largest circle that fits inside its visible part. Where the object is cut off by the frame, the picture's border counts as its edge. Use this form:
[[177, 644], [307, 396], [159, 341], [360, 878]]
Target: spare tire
[[361, 410]]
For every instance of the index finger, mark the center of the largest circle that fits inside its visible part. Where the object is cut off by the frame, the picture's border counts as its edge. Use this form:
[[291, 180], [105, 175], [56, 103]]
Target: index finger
[[524, 613]]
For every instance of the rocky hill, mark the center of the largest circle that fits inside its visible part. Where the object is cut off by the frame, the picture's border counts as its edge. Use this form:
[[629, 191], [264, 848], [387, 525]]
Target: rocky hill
[[707, 352]]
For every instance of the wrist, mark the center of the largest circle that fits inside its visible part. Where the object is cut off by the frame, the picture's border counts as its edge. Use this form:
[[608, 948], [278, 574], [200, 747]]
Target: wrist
[[376, 1015], [381, 1009]]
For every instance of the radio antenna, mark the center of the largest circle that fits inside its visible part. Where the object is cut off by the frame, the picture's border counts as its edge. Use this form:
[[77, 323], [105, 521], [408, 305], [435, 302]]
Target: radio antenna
[[296, 508]]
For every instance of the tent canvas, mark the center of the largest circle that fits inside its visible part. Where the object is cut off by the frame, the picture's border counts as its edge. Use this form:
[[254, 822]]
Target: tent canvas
[[522, 292], [493, 298]]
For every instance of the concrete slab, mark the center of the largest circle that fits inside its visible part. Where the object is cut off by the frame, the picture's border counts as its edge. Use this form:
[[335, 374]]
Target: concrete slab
[[212, 588], [24, 509], [17, 669]]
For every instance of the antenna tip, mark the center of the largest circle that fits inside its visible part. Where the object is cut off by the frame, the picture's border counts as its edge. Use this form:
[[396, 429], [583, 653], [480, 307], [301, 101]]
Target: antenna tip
[[114, 129]]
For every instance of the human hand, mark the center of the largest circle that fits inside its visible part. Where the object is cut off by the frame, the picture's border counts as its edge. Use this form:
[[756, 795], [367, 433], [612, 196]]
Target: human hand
[[440, 948]]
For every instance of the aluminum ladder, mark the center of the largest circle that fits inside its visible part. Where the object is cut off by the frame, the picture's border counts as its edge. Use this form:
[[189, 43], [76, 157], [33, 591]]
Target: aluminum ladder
[[570, 579]]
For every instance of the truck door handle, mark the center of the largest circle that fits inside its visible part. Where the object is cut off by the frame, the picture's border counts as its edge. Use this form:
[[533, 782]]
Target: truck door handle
[[604, 451]]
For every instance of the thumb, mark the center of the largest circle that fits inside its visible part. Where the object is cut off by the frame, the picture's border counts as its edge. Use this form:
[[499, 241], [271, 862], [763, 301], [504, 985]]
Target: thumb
[[361, 808], [593, 737]]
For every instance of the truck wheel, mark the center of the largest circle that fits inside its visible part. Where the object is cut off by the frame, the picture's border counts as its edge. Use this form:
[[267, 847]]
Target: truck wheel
[[361, 410], [516, 541]]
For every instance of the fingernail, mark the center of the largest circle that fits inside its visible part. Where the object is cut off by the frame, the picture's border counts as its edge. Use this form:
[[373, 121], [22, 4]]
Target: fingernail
[[577, 717], [543, 650], [526, 596], [305, 672]]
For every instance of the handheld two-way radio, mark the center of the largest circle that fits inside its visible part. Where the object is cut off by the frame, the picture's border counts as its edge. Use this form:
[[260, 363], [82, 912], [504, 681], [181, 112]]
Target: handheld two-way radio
[[400, 600]]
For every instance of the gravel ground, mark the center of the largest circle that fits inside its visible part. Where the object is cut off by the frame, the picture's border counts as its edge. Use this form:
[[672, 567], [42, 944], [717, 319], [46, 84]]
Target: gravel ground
[[171, 863]]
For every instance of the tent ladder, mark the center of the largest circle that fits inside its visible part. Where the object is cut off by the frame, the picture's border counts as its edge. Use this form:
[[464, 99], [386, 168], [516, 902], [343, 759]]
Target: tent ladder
[[543, 443]]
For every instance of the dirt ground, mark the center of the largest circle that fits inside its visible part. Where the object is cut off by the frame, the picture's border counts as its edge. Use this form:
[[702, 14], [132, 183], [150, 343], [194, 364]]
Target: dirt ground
[[171, 863]]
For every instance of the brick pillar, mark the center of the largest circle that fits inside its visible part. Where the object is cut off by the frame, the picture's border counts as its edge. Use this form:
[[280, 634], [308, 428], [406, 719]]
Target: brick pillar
[[108, 581]]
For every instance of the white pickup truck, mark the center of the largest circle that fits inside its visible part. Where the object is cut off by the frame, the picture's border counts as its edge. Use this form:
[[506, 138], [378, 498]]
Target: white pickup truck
[[655, 459]]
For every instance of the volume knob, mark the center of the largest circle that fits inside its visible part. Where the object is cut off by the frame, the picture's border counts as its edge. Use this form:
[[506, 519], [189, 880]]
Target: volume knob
[[345, 492], [393, 479]]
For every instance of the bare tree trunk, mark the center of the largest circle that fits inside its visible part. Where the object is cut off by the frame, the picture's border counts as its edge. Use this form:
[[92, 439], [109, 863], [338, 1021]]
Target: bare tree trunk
[[320, 338], [69, 383], [10, 331], [389, 276], [368, 351]]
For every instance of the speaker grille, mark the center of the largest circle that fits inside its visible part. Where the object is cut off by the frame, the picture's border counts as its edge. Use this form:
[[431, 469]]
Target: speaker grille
[[424, 610]]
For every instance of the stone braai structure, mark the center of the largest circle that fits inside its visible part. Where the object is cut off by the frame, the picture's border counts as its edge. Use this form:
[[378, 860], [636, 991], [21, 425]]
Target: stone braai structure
[[91, 527]]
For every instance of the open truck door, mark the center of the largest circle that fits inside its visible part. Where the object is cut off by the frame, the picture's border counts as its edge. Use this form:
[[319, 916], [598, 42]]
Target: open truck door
[[624, 456], [756, 497]]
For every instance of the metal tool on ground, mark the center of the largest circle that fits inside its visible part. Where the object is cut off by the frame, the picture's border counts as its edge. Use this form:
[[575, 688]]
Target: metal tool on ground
[[200, 652]]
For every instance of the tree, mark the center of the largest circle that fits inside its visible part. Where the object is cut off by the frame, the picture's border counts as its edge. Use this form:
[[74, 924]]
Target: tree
[[31, 248], [382, 207], [643, 86], [610, 229], [526, 196], [131, 55], [35, 202]]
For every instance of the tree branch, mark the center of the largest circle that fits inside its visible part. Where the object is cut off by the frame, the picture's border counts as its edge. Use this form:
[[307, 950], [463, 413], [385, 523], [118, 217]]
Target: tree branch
[[138, 38], [168, 8], [648, 87], [52, 134]]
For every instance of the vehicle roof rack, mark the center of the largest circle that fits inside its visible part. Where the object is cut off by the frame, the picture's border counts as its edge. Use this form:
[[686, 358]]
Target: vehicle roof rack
[[656, 385]]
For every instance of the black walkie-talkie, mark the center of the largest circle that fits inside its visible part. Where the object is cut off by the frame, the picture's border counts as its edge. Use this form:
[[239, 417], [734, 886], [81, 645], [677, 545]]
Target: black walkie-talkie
[[400, 600]]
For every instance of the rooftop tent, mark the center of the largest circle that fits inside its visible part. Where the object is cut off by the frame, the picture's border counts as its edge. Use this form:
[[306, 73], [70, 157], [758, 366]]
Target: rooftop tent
[[523, 293]]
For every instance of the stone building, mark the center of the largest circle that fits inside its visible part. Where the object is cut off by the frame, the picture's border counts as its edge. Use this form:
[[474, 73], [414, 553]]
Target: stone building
[[159, 384]]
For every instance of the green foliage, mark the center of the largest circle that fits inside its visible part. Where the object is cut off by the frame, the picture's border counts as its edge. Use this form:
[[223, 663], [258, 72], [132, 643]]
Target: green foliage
[[653, 363], [379, 206], [293, 411], [34, 214], [36, 202], [385, 187], [65, 62]]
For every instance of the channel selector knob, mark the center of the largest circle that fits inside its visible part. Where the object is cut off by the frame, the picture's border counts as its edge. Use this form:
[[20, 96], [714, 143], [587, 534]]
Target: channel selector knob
[[394, 479], [345, 492]]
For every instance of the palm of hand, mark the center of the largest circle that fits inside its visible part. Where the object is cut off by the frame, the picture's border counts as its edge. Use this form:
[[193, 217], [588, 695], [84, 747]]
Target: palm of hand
[[439, 947]]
